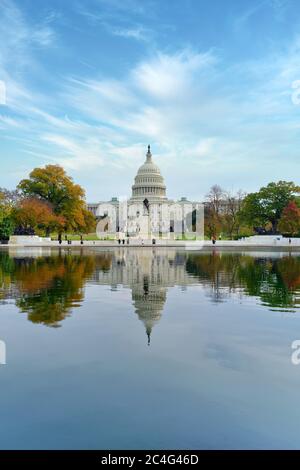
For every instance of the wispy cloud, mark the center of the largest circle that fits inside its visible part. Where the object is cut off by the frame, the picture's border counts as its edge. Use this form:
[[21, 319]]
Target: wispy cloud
[[18, 41], [139, 33], [19, 36], [119, 18], [209, 120], [248, 13], [275, 8], [279, 7]]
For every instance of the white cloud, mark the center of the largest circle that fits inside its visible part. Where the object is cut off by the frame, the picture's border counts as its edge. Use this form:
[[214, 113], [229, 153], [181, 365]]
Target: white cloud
[[8, 121], [75, 153], [167, 76], [206, 121]]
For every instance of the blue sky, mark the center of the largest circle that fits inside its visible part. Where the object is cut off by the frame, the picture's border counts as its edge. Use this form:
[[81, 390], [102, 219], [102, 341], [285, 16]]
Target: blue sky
[[211, 85]]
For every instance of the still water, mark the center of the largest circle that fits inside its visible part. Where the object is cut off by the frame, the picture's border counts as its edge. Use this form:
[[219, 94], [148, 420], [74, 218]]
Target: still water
[[143, 348]]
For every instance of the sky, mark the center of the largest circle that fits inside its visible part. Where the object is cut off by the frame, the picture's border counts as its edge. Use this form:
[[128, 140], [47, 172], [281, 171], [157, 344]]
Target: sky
[[212, 85]]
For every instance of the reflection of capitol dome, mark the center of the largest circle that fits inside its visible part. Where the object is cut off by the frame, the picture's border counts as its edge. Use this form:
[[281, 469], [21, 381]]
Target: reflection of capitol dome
[[149, 301], [148, 273], [148, 182]]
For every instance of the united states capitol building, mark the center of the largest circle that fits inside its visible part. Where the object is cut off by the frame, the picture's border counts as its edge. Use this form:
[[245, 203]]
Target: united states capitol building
[[148, 213]]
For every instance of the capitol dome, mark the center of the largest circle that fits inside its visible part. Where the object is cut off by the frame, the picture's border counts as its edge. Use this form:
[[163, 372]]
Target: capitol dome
[[148, 183]]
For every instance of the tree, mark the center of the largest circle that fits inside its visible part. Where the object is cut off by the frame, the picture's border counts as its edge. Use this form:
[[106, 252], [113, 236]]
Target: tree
[[6, 228], [215, 199], [7, 200], [266, 206], [213, 209], [212, 222], [6, 203], [51, 184], [89, 224], [222, 212], [231, 216], [289, 222], [33, 214]]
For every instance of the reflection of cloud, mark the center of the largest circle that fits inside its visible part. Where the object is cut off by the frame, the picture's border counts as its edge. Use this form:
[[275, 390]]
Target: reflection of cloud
[[230, 357]]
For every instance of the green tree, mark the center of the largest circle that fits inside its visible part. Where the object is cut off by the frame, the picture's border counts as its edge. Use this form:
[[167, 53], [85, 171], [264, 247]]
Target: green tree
[[266, 206], [53, 185], [7, 200], [6, 228]]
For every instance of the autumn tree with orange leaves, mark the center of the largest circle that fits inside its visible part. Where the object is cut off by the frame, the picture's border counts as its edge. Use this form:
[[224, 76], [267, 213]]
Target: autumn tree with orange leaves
[[32, 214], [290, 220], [53, 186]]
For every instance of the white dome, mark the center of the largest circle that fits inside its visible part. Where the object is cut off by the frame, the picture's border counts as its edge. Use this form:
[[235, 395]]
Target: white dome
[[148, 182]]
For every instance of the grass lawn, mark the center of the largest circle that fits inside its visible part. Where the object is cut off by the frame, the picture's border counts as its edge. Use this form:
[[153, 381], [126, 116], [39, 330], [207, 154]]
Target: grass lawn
[[74, 237]]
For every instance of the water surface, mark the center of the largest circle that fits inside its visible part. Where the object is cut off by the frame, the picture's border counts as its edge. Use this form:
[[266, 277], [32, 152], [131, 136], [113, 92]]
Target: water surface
[[148, 348]]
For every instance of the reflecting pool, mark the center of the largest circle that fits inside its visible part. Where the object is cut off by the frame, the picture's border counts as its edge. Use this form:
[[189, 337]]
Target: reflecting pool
[[148, 348]]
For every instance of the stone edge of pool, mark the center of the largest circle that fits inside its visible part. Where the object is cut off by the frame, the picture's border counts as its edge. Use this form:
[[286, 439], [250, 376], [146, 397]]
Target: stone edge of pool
[[207, 246]]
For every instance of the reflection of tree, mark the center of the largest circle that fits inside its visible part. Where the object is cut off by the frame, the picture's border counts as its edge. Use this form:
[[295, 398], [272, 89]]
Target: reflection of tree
[[220, 271], [59, 284], [103, 262], [263, 279], [274, 281], [47, 288], [289, 269], [6, 271]]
